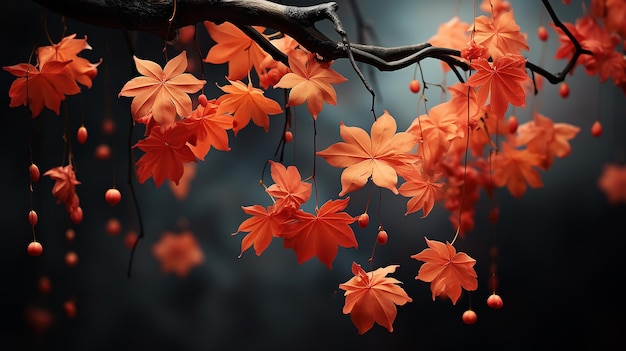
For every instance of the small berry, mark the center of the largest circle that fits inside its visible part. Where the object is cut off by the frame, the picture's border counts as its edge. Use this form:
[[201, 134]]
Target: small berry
[[288, 136], [494, 301], [33, 218], [596, 129], [363, 220], [35, 248], [71, 258], [382, 237], [108, 126], [202, 100], [113, 196], [130, 239], [113, 226], [103, 152], [542, 33], [415, 86], [44, 285], [33, 170], [70, 234], [70, 308], [512, 124], [81, 135], [494, 215], [469, 317], [567, 2], [77, 215], [564, 90]]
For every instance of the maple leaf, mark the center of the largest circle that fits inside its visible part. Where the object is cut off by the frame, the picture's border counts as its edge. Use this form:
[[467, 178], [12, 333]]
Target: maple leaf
[[372, 297], [502, 81], [500, 36], [235, 47], [495, 7], [320, 234], [423, 190], [310, 81], [68, 49], [178, 252], [452, 34], [162, 92], [181, 190], [446, 270], [544, 137], [165, 152], [514, 168], [210, 129], [289, 190], [363, 157], [612, 183], [41, 88], [65, 182], [262, 227], [246, 102]]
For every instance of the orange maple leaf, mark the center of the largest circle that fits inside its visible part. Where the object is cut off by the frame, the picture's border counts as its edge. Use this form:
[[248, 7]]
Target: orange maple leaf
[[502, 81], [422, 189], [446, 270], [162, 92], [65, 182], [236, 48], [178, 253], [246, 102], [514, 168], [262, 227], [210, 129], [165, 152], [544, 137], [452, 34], [289, 190], [372, 297], [363, 157], [68, 49], [320, 234], [310, 81], [499, 36], [36, 89]]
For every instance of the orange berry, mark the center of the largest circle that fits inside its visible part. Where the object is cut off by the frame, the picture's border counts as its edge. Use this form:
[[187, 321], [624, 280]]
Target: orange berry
[[108, 126], [33, 218], [288, 136], [382, 237], [542, 33], [113, 226], [202, 100], [113, 196], [70, 234], [35, 248], [596, 129], [363, 220], [512, 124], [33, 170], [415, 86], [130, 239], [71, 258], [77, 215], [81, 135], [564, 90], [494, 301], [469, 317]]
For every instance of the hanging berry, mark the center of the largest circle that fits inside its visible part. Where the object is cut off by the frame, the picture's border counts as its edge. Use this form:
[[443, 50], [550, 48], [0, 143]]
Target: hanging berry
[[415, 86], [35, 248], [382, 237], [33, 218], [542, 33], [494, 301], [469, 317], [363, 220], [113, 196], [33, 170], [564, 90], [288, 136], [596, 129], [81, 134]]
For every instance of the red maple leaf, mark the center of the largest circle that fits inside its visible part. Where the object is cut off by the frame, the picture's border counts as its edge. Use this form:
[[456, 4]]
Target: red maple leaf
[[514, 168], [65, 183], [210, 129], [364, 157], [289, 190], [68, 49], [502, 81], [166, 150], [41, 88], [372, 297], [446, 270], [178, 252], [262, 227], [320, 234]]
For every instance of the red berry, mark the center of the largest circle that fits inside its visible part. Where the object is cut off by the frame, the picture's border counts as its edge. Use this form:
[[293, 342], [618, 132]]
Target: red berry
[[113, 196], [130, 239], [415, 86], [35, 248], [108, 126], [71, 258], [469, 317], [494, 301], [596, 129], [33, 170], [382, 237], [103, 152], [77, 215], [512, 124], [70, 234], [44, 285], [70, 308], [564, 90], [542, 33], [113, 226], [33, 218], [202, 100], [288, 136], [81, 135], [567, 2], [363, 220]]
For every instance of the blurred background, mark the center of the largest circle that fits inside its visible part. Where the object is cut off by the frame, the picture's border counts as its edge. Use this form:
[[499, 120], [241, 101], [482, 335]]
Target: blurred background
[[560, 262]]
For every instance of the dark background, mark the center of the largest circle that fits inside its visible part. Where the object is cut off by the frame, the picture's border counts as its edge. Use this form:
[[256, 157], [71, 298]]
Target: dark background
[[560, 266]]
